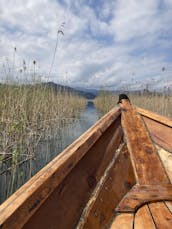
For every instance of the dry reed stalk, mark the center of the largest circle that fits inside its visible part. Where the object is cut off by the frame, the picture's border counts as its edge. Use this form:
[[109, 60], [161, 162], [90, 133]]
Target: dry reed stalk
[[160, 103], [27, 113]]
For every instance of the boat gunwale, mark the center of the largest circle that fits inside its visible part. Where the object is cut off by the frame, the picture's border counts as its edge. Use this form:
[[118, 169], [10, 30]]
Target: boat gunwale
[[75, 151], [63, 164], [154, 116], [159, 127]]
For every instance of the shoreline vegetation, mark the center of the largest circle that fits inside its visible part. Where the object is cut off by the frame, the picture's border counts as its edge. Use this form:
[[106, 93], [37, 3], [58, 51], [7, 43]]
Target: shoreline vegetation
[[160, 103], [29, 115], [34, 118]]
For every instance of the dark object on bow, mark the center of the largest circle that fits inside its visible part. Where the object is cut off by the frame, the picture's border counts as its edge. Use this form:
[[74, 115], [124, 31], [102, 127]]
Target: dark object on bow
[[123, 96]]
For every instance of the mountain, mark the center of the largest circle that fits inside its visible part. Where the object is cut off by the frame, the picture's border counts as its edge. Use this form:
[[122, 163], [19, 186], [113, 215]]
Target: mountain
[[89, 90], [58, 87]]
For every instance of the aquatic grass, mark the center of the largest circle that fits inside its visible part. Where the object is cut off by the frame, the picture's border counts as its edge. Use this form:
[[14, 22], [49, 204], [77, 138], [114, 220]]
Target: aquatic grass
[[25, 111], [31, 112], [157, 102], [28, 115], [105, 101]]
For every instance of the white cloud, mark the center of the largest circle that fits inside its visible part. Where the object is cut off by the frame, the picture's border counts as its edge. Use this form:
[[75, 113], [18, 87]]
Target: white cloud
[[103, 45], [134, 19]]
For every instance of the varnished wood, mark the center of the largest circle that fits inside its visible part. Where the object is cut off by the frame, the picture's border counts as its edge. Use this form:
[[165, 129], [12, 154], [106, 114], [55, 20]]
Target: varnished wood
[[16, 211], [119, 180], [141, 149], [141, 194], [123, 221], [161, 215], [143, 219]]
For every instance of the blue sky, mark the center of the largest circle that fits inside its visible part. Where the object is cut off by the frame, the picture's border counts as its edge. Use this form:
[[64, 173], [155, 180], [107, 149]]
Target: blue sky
[[110, 44]]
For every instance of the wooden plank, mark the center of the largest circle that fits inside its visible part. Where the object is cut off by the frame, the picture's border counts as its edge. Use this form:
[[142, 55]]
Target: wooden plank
[[160, 133], [123, 221], [161, 215], [96, 193], [166, 159], [151, 115], [143, 219], [77, 187], [141, 149], [118, 182], [16, 211], [141, 194], [169, 205]]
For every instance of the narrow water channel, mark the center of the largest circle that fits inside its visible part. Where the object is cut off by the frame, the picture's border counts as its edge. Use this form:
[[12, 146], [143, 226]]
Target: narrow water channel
[[88, 117], [13, 178]]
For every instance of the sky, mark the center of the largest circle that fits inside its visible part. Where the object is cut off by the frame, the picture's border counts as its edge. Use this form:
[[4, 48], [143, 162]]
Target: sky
[[111, 44]]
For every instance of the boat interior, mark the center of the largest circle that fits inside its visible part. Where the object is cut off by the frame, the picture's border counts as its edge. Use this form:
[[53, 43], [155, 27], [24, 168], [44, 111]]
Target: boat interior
[[118, 174]]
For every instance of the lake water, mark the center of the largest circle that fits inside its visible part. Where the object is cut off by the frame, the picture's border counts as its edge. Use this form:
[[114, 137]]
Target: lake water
[[13, 178]]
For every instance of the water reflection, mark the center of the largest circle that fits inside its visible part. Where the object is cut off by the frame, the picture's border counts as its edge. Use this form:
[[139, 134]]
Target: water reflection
[[88, 117], [48, 148]]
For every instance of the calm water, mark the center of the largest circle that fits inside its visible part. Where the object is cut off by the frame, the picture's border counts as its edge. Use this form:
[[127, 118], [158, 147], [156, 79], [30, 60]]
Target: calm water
[[13, 178]]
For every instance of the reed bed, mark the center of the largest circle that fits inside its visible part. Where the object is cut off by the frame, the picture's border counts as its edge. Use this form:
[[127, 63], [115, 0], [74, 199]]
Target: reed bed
[[160, 103], [30, 114]]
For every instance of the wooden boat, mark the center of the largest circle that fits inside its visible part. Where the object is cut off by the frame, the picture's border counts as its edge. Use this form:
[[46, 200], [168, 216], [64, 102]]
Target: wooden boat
[[116, 175]]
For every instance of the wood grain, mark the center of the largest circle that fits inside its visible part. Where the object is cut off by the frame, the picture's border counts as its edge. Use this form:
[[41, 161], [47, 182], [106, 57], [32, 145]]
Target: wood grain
[[141, 194], [141, 149], [143, 219], [160, 133], [166, 159], [169, 205], [161, 215], [118, 182], [16, 211], [123, 221], [151, 115], [68, 200]]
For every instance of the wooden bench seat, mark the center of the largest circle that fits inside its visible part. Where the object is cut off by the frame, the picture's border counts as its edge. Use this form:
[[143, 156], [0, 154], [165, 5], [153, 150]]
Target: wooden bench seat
[[149, 216]]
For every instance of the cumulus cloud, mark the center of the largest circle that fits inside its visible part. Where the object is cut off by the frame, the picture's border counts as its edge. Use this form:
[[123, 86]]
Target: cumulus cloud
[[107, 44]]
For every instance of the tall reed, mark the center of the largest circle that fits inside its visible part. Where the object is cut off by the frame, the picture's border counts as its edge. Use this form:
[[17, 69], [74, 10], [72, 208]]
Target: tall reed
[[30, 114], [160, 103]]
